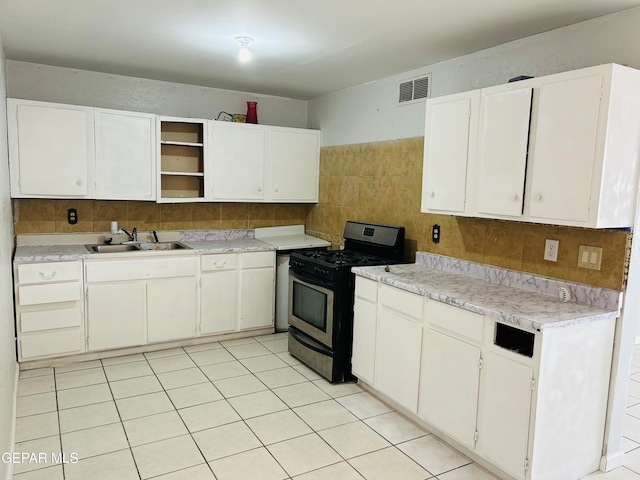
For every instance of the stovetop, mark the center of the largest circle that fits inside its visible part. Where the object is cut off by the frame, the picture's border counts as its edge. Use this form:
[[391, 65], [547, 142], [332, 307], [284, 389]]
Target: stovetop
[[340, 258]]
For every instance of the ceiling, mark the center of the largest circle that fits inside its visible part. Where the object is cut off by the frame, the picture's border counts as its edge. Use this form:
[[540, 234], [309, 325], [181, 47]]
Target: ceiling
[[301, 49]]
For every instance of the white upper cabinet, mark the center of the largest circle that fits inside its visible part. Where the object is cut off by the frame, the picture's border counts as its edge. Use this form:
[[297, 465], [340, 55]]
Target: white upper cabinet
[[238, 157], [51, 149], [502, 151], [125, 155], [560, 149], [262, 163], [295, 161], [449, 146]]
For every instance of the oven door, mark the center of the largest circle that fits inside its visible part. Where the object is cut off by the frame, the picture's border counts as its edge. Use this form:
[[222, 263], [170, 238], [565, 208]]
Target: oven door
[[311, 307]]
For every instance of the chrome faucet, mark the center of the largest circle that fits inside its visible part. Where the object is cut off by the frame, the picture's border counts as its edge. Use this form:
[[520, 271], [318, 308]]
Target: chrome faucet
[[155, 236], [133, 236]]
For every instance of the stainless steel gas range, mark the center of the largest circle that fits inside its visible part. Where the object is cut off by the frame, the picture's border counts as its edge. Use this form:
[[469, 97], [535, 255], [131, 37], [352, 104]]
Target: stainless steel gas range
[[321, 288]]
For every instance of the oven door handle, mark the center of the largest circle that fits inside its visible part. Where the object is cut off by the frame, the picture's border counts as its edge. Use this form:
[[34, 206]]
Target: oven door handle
[[311, 281], [316, 347]]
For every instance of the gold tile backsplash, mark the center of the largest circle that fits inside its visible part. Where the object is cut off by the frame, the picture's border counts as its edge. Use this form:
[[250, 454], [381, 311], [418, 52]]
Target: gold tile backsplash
[[50, 216], [381, 182]]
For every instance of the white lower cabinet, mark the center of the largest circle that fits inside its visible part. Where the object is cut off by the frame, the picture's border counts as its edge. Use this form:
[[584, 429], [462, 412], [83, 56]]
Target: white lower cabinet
[[365, 318], [115, 324], [49, 309], [238, 292], [530, 405], [398, 357], [505, 408], [449, 383], [135, 302], [171, 309]]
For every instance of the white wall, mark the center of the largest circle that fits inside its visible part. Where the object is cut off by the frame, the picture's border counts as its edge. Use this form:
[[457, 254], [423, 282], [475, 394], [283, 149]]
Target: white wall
[[81, 87], [8, 365], [368, 113]]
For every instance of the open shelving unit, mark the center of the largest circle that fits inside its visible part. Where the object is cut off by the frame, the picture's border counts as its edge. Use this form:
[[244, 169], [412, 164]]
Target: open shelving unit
[[182, 153]]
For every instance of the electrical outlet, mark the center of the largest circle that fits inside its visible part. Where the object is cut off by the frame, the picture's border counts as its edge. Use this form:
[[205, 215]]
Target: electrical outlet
[[589, 257], [435, 234], [551, 250], [72, 216]]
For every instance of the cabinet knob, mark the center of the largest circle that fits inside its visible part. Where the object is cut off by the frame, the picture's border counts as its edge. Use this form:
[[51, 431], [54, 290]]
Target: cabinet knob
[[259, 189], [514, 197], [277, 189], [79, 182], [432, 194], [537, 197]]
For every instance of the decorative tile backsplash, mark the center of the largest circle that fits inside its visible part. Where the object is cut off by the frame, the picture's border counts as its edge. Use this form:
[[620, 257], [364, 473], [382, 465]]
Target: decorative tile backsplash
[[381, 182], [50, 216]]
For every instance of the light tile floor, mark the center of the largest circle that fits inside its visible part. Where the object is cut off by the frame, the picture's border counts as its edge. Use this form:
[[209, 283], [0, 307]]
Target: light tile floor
[[235, 410]]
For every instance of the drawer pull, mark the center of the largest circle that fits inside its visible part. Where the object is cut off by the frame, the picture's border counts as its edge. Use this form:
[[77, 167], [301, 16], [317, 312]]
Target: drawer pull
[[49, 276], [221, 264]]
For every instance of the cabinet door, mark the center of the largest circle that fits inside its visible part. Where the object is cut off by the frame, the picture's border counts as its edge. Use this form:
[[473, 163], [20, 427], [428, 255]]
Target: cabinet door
[[125, 155], [115, 314], [364, 340], [257, 297], [449, 383], [218, 302], [397, 365], [51, 149], [171, 307], [238, 157], [449, 141], [502, 152], [564, 143], [504, 410], [294, 159]]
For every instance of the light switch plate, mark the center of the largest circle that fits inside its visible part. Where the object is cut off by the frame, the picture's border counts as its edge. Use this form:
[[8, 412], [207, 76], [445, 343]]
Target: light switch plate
[[589, 257]]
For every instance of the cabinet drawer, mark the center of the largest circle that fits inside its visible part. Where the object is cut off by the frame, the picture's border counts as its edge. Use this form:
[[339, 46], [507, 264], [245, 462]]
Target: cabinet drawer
[[140, 269], [50, 319], [48, 272], [48, 293], [53, 344], [456, 320], [223, 261], [258, 259], [402, 301], [367, 289]]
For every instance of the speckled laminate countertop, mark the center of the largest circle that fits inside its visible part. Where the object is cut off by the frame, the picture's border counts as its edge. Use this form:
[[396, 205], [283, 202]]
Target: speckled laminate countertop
[[521, 308], [54, 253]]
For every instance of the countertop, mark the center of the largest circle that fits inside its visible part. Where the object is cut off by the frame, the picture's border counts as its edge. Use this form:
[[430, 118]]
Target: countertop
[[290, 237], [48, 253], [521, 308]]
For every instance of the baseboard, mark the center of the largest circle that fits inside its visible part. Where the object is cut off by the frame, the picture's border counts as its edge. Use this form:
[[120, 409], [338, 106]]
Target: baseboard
[[611, 461], [12, 437]]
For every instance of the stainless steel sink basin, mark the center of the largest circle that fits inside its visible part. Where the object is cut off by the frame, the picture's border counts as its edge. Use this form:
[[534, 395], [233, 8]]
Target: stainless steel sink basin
[[137, 247], [112, 248], [163, 246]]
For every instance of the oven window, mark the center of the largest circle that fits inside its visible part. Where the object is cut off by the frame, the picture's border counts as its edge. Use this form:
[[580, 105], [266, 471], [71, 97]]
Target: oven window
[[310, 306]]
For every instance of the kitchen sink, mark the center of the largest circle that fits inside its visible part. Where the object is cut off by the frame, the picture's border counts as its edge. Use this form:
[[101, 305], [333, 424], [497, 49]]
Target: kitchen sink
[[136, 247], [112, 248], [162, 246]]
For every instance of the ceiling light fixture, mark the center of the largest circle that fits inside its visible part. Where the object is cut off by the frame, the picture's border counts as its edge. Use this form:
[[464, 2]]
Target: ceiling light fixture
[[244, 55]]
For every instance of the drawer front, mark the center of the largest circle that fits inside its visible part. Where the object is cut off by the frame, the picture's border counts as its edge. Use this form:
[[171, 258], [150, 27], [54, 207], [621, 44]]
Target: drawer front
[[367, 289], [258, 259], [456, 320], [402, 301], [222, 261], [140, 269], [50, 319], [51, 345], [48, 272], [49, 293]]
